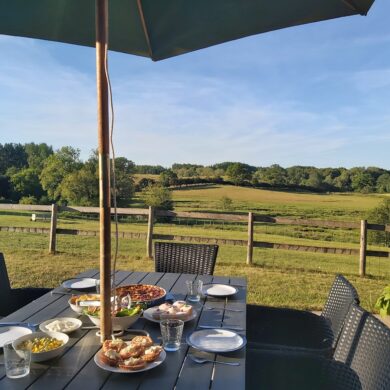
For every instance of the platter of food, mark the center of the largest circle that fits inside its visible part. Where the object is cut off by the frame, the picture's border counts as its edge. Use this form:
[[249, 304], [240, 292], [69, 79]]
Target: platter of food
[[126, 357], [79, 283], [216, 340], [219, 290], [178, 310], [142, 292], [76, 299]]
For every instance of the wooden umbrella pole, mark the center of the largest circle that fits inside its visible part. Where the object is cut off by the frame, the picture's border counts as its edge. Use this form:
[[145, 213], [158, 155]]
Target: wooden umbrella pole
[[104, 167]]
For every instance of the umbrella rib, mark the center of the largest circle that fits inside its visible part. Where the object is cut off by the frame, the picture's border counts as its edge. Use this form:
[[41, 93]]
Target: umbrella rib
[[141, 14], [351, 4]]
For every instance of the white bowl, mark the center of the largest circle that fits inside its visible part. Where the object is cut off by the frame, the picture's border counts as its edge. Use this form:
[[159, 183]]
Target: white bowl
[[121, 323], [42, 356], [73, 323], [79, 309]]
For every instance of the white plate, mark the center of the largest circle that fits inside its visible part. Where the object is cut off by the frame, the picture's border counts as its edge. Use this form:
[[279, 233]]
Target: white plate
[[76, 324], [219, 290], [11, 333], [216, 340], [148, 367], [148, 314], [80, 284]]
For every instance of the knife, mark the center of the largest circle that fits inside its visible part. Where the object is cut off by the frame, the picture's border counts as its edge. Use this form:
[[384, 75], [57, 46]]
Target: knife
[[223, 327], [23, 324]]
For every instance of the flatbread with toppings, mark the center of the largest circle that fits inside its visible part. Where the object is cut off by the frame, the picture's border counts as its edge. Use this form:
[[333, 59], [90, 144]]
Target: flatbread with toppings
[[141, 292]]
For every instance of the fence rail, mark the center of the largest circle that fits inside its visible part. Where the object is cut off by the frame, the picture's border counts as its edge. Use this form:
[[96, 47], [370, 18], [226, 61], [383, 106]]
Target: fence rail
[[249, 219]]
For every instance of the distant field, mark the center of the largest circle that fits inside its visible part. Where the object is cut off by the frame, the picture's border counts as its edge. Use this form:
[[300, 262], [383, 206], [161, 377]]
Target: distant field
[[278, 277]]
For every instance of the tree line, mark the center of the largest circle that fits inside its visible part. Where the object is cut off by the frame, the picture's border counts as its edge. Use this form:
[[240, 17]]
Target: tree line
[[37, 174]]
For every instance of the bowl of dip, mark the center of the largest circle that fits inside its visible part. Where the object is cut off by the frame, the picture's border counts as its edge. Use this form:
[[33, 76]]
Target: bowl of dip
[[61, 324]]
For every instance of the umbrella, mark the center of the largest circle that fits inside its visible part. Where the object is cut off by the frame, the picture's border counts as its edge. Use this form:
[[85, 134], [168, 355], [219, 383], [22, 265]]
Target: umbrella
[[158, 29]]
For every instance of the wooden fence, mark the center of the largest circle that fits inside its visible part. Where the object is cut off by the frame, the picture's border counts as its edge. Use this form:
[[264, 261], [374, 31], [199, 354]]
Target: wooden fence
[[249, 219]]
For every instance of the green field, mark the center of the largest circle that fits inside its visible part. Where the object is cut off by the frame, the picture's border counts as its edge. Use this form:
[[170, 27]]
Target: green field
[[278, 277]]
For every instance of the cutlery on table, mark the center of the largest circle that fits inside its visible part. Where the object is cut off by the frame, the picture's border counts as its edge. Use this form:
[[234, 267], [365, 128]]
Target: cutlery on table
[[201, 360], [223, 327], [224, 308], [23, 324]]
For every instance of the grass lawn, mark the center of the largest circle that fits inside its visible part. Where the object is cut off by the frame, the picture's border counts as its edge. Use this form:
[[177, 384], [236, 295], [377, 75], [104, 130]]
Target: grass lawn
[[277, 277]]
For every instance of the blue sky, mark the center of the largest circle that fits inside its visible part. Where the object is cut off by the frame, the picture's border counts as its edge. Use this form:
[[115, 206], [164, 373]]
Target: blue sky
[[317, 94]]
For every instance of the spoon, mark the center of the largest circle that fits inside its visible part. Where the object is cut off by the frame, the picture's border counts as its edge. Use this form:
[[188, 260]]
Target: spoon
[[222, 308], [200, 360]]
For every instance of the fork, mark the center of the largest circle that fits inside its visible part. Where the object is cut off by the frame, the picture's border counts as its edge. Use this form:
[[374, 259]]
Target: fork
[[224, 308], [201, 361]]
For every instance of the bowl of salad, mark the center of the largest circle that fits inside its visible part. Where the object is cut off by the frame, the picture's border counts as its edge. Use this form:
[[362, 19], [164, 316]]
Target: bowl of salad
[[122, 318]]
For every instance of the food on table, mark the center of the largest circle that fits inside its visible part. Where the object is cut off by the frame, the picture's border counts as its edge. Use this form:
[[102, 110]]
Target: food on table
[[75, 299], [141, 292], [60, 326], [110, 357], [152, 353], [179, 310], [94, 311], [132, 350], [130, 355], [116, 345], [133, 364], [41, 344], [144, 341]]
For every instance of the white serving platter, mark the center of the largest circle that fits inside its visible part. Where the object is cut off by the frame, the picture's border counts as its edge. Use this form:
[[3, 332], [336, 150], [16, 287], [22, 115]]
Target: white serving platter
[[11, 333], [80, 284], [148, 314]]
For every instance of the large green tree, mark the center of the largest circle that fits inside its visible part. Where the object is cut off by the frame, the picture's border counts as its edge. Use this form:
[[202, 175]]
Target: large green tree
[[56, 167], [157, 196], [12, 155], [238, 173], [25, 183], [37, 154], [125, 186]]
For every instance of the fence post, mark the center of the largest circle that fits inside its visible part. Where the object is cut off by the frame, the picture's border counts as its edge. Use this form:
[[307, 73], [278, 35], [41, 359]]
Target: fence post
[[53, 229], [249, 255], [363, 247], [149, 237]]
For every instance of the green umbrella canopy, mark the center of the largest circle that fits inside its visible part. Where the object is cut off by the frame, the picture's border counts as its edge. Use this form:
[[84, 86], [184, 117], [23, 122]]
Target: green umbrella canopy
[[165, 28], [157, 29]]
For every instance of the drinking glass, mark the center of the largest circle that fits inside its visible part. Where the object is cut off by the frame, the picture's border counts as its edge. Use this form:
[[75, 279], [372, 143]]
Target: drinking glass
[[194, 290], [97, 284], [16, 360], [171, 332]]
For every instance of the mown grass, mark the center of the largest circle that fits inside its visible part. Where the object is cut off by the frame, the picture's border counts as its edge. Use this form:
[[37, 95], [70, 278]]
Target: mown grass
[[277, 277]]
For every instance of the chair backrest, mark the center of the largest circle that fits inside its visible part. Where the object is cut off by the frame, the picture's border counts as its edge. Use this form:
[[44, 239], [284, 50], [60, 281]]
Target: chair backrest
[[364, 345], [5, 287], [185, 258], [341, 296]]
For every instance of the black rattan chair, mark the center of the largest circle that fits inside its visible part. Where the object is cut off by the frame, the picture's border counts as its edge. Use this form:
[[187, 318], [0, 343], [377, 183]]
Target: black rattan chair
[[185, 258], [361, 361], [14, 298], [289, 329]]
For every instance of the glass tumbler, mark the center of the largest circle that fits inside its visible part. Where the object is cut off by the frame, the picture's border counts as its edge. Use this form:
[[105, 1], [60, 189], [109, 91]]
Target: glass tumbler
[[194, 290], [171, 332], [16, 361]]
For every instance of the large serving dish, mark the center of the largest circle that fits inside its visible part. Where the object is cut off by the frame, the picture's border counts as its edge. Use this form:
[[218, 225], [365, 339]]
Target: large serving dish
[[148, 314], [43, 356], [119, 370], [118, 322], [216, 340], [73, 301], [147, 293]]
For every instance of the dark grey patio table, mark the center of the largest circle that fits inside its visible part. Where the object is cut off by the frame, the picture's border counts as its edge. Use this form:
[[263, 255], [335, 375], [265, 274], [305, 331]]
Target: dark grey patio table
[[76, 369]]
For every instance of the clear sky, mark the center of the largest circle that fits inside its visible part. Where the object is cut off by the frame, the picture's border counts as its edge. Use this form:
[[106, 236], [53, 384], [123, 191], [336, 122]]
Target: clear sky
[[317, 94]]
